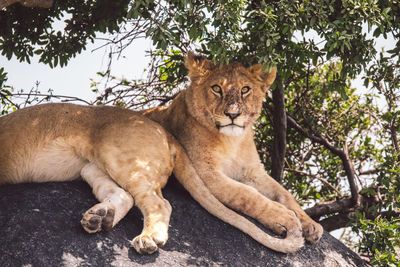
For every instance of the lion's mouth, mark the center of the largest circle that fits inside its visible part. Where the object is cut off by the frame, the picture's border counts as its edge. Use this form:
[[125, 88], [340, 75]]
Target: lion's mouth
[[231, 124], [231, 129]]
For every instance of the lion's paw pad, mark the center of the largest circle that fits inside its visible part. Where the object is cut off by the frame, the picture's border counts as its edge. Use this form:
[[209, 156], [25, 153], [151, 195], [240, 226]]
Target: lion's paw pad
[[100, 217], [148, 244]]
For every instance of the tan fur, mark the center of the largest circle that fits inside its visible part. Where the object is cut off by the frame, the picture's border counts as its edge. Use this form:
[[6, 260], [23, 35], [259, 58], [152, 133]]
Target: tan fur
[[109, 147], [215, 128], [126, 159]]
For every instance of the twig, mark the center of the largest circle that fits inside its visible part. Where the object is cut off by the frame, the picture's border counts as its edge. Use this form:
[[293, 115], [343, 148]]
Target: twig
[[368, 172], [318, 178], [341, 153], [4, 96], [66, 98]]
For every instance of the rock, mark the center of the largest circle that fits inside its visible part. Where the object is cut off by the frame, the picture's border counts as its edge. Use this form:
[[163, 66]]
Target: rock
[[40, 226]]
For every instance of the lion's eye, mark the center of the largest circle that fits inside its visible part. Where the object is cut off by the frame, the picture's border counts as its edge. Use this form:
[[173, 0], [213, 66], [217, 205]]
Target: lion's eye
[[216, 89], [245, 90]]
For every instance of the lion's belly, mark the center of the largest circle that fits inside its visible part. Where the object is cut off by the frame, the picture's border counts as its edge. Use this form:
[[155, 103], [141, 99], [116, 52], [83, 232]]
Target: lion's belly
[[56, 166], [53, 163]]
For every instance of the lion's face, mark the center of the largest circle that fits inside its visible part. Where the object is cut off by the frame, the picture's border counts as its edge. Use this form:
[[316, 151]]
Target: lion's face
[[233, 99], [226, 99]]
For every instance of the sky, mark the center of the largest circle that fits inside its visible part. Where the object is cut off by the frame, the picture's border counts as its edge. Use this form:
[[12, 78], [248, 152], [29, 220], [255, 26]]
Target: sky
[[74, 79]]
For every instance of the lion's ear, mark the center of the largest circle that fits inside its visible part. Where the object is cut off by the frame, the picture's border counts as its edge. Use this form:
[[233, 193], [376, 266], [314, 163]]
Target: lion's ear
[[266, 77], [198, 66]]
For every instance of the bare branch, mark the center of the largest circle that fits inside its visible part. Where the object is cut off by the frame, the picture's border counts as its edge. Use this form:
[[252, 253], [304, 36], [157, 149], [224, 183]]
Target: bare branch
[[344, 207], [341, 153], [340, 205], [324, 181], [342, 219], [63, 98], [4, 96], [337, 221], [368, 172]]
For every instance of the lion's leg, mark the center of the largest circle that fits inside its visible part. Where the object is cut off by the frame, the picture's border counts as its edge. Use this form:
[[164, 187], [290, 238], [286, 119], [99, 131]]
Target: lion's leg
[[114, 204], [248, 200], [156, 212], [270, 188]]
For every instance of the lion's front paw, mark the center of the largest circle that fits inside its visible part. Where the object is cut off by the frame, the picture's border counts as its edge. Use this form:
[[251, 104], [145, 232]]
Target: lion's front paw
[[99, 217], [149, 243], [286, 222], [312, 231]]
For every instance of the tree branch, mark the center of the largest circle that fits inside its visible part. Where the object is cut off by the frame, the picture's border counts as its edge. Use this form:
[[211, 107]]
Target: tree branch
[[344, 209], [63, 98], [341, 153], [393, 135], [368, 172], [340, 205], [342, 219], [337, 221], [322, 180], [280, 128]]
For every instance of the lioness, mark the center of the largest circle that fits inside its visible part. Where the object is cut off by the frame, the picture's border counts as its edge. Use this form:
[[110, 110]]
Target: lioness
[[125, 157], [212, 119]]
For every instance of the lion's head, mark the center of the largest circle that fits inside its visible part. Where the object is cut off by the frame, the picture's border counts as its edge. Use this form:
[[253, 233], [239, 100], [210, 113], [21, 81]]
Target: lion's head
[[228, 98]]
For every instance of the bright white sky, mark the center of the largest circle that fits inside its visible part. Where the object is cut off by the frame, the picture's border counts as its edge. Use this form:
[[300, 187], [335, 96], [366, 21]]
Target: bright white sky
[[74, 79]]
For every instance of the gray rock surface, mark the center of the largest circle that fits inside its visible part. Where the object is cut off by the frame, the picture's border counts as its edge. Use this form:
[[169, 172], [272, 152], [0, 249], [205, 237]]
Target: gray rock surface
[[40, 226]]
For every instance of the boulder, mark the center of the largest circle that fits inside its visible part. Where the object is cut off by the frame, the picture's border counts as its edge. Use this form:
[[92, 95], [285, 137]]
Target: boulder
[[40, 226]]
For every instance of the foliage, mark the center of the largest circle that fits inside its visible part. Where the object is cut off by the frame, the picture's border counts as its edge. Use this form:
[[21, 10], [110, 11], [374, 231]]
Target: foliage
[[366, 131], [25, 32], [342, 142], [5, 105], [339, 119], [380, 239]]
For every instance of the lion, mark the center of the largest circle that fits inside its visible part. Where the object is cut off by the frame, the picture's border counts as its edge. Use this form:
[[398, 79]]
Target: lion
[[126, 158], [213, 120]]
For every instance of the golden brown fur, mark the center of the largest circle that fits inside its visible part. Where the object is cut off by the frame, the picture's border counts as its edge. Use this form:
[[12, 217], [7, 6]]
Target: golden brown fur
[[125, 157], [212, 119]]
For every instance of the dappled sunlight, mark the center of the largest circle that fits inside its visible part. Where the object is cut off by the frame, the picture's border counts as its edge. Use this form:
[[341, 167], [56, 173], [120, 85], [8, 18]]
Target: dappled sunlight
[[142, 164], [70, 260], [35, 122]]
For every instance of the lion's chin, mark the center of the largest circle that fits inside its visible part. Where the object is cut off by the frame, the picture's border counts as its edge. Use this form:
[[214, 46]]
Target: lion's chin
[[231, 130]]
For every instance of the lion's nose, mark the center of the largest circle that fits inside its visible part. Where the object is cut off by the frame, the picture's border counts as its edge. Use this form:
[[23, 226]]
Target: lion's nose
[[232, 115]]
